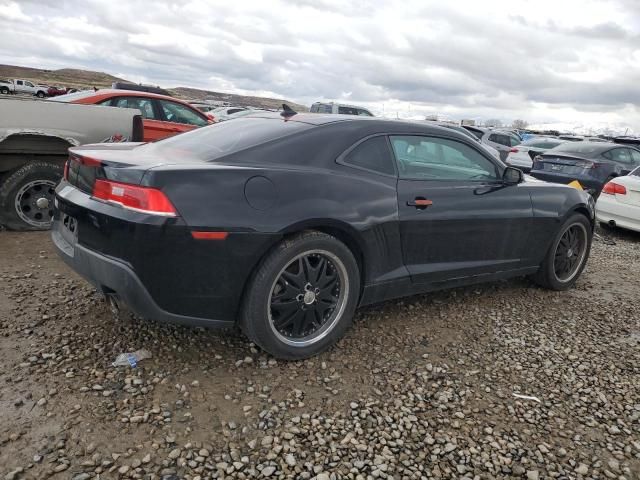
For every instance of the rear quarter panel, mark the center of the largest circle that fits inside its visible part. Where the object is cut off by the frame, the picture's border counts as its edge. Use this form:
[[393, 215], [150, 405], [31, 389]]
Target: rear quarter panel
[[360, 204]]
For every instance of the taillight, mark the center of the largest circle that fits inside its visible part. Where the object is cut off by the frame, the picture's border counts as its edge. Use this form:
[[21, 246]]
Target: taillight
[[612, 188], [133, 197], [65, 172], [513, 150]]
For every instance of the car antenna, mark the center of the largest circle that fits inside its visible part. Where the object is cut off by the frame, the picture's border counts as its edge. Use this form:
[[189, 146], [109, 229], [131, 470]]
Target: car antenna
[[287, 111]]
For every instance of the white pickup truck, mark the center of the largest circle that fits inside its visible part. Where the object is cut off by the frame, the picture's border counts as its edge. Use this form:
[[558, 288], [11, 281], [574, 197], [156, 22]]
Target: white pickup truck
[[18, 85], [34, 139]]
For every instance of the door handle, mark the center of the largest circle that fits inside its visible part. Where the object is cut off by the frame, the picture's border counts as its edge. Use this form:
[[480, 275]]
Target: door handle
[[420, 203]]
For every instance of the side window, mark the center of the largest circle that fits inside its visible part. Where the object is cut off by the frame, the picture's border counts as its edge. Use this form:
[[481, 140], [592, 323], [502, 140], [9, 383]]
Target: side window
[[364, 113], [145, 105], [178, 113], [501, 139], [620, 155], [19, 82], [105, 103], [635, 156], [347, 111], [514, 141], [29, 84], [372, 154], [428, 158]]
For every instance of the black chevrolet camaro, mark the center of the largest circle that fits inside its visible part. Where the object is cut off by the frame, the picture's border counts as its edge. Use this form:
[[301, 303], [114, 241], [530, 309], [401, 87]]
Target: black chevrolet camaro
[[285, 223]]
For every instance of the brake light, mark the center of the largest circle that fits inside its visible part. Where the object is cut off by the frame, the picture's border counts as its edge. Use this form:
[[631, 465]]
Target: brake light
[[65, 172], [133, 197], [513, 150], [612, 188]]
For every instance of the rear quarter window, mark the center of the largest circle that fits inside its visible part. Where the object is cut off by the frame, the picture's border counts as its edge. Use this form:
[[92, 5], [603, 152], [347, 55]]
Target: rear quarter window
[[372, 154]]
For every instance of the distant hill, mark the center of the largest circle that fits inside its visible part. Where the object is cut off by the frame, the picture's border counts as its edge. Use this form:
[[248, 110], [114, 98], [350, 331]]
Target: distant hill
[[82, 79]]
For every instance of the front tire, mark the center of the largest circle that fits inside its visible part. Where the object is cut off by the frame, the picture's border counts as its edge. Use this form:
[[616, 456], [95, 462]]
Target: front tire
[[302, 297], [567, 256], [40, 94], [27, 195]]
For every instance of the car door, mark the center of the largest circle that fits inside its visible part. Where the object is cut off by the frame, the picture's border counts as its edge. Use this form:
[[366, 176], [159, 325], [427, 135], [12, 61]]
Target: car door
[[19, 87], [179, 118], [457, 217], [154, 128]]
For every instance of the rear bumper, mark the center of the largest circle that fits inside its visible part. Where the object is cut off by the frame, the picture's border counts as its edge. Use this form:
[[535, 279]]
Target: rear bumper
[[608, 210], [588, 183], [112, 277]]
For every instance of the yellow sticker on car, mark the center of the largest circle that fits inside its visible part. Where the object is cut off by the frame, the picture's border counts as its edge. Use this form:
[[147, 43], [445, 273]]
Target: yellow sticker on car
[[576, 184]]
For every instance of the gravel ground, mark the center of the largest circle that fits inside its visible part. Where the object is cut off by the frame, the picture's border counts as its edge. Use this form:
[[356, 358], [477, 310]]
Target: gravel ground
[[426, 387]]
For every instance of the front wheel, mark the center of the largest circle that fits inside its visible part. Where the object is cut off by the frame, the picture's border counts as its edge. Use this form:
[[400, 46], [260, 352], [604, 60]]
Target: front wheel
[[302, 298], [40, 94], [567, 255]]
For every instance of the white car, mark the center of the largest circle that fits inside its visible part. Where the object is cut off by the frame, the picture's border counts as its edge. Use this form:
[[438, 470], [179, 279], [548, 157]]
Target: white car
[[521, 156], [619, 203]]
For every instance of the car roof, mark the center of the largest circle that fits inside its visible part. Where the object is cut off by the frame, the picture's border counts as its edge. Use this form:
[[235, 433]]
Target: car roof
[[373, 124], [136, 93]]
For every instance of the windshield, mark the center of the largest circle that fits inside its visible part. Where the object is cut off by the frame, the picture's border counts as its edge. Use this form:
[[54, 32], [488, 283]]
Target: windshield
[[70, 97], [220, 139]]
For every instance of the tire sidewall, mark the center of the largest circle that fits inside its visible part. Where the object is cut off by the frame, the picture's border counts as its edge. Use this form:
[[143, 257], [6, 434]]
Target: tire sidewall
[[255, 319], [550, 259], [11, 185]]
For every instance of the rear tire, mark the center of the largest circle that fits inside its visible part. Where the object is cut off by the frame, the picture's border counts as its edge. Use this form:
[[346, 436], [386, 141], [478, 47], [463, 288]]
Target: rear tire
[[4, 91], [26, 196], [567, 256], [302, 297]]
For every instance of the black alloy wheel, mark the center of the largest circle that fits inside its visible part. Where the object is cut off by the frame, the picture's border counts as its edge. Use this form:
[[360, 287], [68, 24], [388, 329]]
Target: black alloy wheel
[[570, 252], [302, 296], [307, 297], [567, 255]]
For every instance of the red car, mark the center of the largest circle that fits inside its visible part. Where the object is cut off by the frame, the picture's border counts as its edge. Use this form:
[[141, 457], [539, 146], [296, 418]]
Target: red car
[[163, 115], [56, 91]]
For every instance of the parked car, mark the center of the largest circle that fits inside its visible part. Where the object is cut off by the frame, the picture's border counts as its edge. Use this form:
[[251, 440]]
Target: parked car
[[55, 91], [339, 108], [501, 140], [224, 113], [18, 85], [619, 203], [34, 142], [284, 223], [592, 164], [468, 133], [163, 116], [522, 155]]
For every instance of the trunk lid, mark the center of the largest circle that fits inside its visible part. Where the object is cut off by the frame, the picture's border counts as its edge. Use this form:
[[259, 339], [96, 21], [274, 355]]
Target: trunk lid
[[568, 165]]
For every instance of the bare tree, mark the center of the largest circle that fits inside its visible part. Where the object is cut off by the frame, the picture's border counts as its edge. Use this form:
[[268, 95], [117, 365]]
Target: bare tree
[[493, 122], [519, 123]]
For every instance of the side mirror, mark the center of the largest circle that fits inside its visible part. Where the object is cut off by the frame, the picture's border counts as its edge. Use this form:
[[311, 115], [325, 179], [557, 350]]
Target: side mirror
[[512, 176]]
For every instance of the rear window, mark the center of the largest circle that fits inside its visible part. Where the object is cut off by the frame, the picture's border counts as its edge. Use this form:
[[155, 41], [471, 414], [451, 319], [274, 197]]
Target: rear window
[[220, 139], [321, 108], [70, 97], [584, 148]]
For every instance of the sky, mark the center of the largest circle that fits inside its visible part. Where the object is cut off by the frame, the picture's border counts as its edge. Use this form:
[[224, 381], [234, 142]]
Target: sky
[[561, 61]]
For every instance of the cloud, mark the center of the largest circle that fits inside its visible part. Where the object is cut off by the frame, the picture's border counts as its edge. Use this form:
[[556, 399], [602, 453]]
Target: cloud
[[554, 61]]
